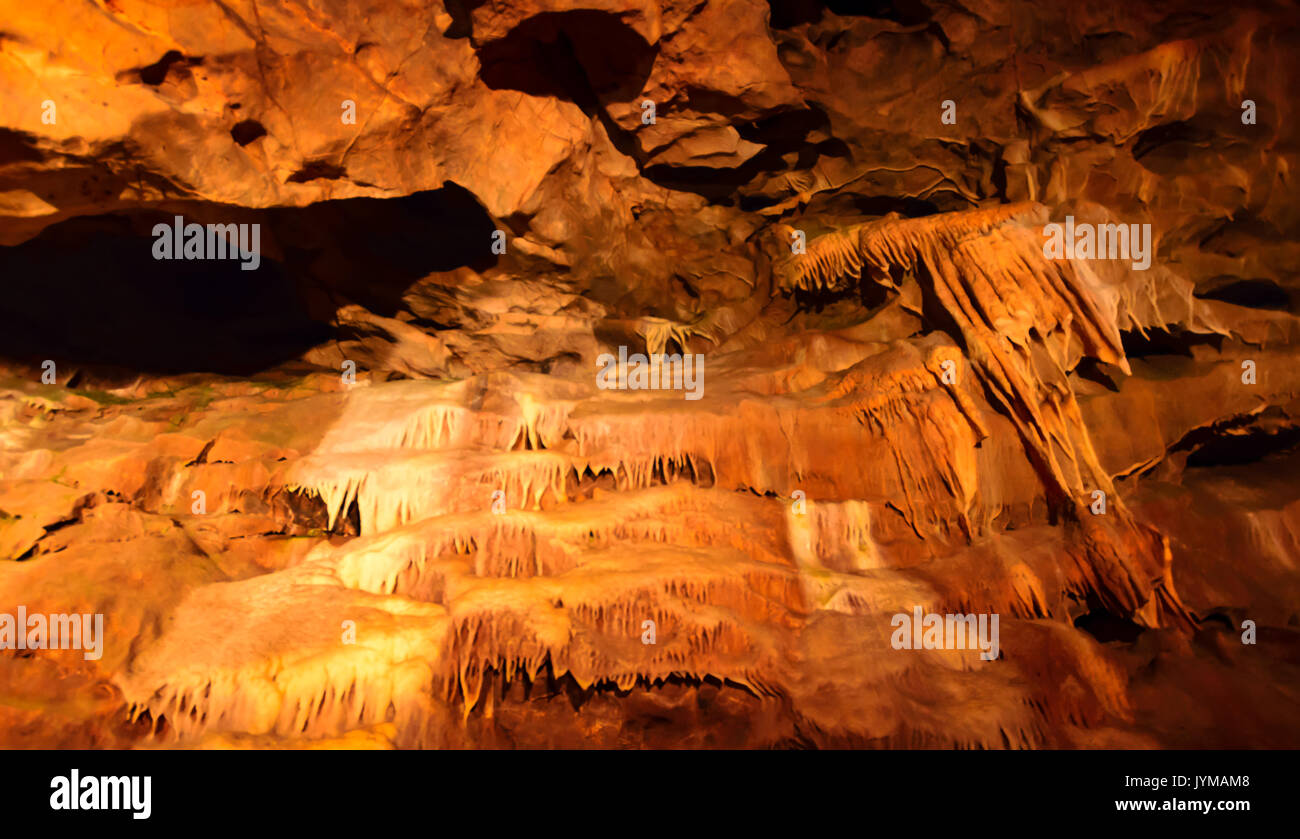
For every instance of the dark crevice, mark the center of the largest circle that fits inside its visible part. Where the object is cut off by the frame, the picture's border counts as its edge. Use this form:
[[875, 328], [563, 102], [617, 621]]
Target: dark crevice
[[461, 25], [717, 185], [35, 549], [247, 131], [303, 513], [1254, 294], [202, 456], [1249, 446], [866, 296], [1158, 342], [317, 169], [156, 73], [787, 14], [570, 56], [786, 131], [1095, 371], [95, 295], [906, 206], [935, 314], [1186, 146], [1239, 236], [1239, 440], [373, 249], [1180, 133], [1218, 620], [349, 524], [1173, 147], [18, 147], [1106, 626]]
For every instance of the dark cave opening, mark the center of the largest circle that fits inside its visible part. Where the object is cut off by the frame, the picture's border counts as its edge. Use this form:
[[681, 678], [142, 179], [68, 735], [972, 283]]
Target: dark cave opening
[[570, 56], [1181, 135], [1096, 371], [1218, 620], [461, 24], [1158, 342], [1253, 294], [866, 297], [717, 185], [1187, 146], [317, 170], [246, 131], [1241, 440], [155, 74], [18, 147], [907, 206], [1251, 445], [373, 249], [89, 291], [787, 14], [1106, 626]]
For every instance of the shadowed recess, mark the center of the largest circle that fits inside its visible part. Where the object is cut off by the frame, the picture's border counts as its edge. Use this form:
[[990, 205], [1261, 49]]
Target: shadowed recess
[[1254, 294], [787, 14], [573, 56], [90, 290], [372, 249]]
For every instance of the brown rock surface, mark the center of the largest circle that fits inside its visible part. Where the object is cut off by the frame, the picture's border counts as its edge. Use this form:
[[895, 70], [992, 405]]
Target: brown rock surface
[[463, 544]]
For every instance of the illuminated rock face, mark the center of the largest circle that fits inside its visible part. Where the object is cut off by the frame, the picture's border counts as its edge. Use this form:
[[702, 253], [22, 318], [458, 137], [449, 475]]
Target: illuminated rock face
[[626, 372]]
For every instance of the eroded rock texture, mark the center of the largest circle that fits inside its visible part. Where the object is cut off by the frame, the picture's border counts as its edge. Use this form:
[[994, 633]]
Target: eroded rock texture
[[922, 407]]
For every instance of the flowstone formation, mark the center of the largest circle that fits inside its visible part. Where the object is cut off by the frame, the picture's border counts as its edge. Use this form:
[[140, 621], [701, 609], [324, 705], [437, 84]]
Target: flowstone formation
[[643, 373]]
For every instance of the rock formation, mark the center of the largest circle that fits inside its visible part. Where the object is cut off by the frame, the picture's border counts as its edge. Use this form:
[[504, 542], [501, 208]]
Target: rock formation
[[627, 372]]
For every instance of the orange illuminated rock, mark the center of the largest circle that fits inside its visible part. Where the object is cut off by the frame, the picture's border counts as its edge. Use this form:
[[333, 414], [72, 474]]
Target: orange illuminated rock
[[628, 372]]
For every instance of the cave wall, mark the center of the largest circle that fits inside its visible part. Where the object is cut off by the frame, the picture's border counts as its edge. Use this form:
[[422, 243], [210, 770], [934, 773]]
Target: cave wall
[[373, 492]]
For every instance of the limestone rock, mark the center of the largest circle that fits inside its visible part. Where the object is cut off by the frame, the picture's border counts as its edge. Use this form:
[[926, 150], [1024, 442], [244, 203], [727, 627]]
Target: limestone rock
[[627, 372]]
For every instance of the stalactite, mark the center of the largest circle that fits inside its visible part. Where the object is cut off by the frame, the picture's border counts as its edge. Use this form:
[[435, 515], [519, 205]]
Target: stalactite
[[1018, 313]]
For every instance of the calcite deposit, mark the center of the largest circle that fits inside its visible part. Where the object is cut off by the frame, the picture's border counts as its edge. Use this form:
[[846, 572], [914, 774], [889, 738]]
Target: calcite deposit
[[648, 373]]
